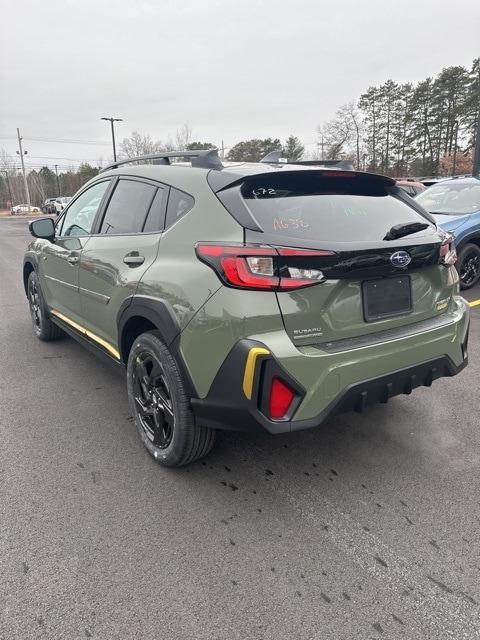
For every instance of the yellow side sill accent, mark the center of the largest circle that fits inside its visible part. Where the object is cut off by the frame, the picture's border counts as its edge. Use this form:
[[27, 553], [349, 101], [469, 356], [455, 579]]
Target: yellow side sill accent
[[106, 345], [68, 321], [249, 374]]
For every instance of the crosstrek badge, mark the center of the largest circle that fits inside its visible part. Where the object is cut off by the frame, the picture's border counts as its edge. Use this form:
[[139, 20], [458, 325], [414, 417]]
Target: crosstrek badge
[[314, 332]]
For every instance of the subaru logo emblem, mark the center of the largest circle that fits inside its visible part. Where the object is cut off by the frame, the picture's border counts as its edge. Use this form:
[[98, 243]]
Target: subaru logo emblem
[[400, 259]]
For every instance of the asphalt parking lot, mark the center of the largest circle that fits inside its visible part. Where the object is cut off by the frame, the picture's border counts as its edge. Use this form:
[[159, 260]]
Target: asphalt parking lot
[[367, 527]]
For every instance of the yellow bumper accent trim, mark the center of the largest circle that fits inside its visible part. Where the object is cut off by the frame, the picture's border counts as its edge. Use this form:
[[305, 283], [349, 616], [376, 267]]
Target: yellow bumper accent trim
[[86, 332], [249, 374]]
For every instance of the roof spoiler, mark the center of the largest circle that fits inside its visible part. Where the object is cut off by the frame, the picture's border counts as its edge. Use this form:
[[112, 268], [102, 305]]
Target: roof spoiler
[[274, 157], [202, 158], [277, 157], [346, 165]]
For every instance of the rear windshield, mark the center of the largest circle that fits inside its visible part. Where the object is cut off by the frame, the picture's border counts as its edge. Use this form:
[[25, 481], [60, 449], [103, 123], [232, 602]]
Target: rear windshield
[[337, 209]]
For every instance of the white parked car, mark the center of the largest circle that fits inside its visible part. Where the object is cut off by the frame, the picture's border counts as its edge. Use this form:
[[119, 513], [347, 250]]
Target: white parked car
[[61, 203], [23, 208]]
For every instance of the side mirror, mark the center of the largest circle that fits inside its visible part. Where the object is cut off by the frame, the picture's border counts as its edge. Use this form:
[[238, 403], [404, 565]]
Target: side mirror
[[42, 228]]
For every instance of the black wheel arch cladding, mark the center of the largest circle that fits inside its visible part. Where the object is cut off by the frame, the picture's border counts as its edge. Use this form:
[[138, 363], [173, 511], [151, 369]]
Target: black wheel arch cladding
[[161, 318]]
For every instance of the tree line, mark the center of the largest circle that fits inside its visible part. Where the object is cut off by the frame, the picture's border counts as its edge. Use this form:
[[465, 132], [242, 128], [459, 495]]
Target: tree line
[[42, 184], [45, 183], [410, 129], [399, 129]]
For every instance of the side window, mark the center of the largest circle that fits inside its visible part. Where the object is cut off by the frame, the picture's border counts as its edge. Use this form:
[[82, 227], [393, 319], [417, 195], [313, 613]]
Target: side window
[[156, 216], [179, 203], [78, 220], [128, 207]]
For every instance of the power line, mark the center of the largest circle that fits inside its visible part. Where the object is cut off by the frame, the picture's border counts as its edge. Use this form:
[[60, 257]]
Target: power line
[[59, 140], [63, 158]]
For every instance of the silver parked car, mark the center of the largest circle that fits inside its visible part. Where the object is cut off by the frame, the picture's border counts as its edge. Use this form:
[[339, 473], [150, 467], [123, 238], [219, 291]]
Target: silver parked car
[[23, 208], [61, 203]]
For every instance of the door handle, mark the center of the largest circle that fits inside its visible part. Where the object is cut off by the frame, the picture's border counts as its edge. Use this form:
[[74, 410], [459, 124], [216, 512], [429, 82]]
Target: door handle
[[133, 259], [73, 259]]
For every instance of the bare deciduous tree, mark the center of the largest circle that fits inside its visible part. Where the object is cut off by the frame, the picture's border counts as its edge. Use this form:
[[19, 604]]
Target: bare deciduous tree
[[183, 137], [140, 145]]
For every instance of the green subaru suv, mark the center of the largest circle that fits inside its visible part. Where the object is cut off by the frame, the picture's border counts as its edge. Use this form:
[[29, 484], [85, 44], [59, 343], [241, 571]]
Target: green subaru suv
[[254, 296]]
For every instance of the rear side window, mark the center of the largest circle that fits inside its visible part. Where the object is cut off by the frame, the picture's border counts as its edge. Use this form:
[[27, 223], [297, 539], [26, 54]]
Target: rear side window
[[156, 216], [339, 208], [128, 206], [179, 203]]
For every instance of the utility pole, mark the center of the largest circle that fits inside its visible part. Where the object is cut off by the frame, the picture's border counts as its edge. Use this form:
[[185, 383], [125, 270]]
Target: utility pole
[[454, 165], [21, 154], [112, 120], [222, 150], [321, 145], [8, 186], [476, 157], [58, 183]]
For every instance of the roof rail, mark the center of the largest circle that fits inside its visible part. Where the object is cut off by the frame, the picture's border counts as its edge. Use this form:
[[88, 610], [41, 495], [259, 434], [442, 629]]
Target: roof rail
[[277, 157], [203, 158]]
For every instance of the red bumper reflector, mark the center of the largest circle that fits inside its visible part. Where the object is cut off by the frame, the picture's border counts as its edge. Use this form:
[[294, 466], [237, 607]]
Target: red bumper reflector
[[281, 397]]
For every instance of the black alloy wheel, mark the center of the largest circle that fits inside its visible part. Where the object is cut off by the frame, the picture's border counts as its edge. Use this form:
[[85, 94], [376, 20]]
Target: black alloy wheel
[[160, 402], [43, 327], [153, 399], [469, 266], [35, 305]]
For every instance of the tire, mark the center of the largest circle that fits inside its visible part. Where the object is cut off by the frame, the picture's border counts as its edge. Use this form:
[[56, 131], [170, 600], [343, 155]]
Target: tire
[[160, 404], [43, 327], [468, 266]]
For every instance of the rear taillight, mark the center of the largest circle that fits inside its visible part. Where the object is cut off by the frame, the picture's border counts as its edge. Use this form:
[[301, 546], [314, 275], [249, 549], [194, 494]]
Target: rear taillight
[[448, 254], [280, 400], [261, 267]]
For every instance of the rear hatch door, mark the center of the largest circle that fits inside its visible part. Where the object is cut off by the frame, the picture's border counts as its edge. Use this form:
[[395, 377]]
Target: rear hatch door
[[378, 252]]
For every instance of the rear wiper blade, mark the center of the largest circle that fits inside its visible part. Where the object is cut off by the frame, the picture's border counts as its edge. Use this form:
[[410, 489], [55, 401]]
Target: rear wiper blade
[[400, 230]]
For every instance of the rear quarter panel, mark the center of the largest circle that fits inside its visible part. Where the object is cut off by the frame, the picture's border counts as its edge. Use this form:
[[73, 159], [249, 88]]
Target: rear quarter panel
[[177, 276]]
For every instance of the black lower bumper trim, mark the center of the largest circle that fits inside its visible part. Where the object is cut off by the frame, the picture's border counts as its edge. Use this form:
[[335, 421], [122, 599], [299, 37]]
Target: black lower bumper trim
[[359, 396]]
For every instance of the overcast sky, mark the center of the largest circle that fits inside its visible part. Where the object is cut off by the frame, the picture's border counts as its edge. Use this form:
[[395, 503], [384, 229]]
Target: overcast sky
[[232, 69]]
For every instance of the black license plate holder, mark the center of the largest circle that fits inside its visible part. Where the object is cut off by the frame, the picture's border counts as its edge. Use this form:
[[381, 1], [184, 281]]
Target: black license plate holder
[[386, 298]]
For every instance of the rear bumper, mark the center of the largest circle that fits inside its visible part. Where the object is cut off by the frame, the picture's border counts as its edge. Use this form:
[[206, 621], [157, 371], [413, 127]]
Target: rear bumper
[[322, 380], [358, 396], [224, 409]]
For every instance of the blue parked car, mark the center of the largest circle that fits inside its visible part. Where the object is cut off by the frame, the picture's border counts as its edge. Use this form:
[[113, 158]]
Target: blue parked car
[[455, 205]]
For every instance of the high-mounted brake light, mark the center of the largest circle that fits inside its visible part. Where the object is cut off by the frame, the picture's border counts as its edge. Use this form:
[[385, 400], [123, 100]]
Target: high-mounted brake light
[[334, 173], [448, 254], [260, 267]]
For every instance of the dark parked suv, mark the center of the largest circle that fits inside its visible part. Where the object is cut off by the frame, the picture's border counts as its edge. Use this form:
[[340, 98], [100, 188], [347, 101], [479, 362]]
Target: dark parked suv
[[257, 296]]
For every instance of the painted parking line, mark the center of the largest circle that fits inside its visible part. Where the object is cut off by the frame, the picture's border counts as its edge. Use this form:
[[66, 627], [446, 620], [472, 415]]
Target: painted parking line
[[475, 303]]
